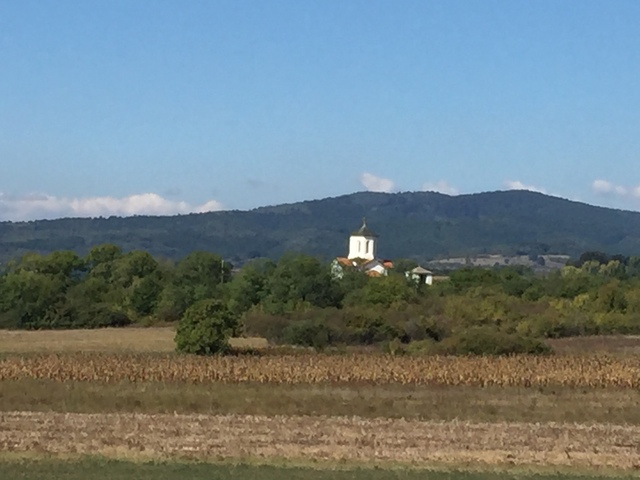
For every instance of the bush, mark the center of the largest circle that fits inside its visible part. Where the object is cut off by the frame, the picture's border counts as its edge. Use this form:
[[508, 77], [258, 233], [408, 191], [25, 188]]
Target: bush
[[103, 315], [490, 341], [205, 328], [421, 347], [256, 323], [424, 328], [309, 333]]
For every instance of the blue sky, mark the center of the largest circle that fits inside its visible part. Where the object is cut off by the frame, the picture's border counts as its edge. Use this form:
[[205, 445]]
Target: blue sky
[[130, 107]]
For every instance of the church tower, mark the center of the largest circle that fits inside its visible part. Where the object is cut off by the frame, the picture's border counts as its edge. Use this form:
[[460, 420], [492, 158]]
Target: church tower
[[362, 243]]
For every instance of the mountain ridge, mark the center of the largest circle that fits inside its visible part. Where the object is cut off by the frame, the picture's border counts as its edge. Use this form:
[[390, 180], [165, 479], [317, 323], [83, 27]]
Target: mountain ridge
[[418, 225]]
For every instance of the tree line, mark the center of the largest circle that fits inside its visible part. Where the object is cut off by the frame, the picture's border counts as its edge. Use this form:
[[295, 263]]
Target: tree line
[[297, 300]]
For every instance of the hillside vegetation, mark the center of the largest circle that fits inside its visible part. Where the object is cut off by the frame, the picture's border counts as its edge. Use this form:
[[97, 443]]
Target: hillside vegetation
[[418, 225]]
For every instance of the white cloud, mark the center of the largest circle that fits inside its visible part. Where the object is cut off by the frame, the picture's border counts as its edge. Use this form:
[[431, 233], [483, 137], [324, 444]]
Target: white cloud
[[605, 187], [39, 206], [440, 186], [377, 184], [602, 186], [210, 206], [518, 185]]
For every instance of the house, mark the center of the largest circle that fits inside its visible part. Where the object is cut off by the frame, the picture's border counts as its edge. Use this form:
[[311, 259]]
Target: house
[[421, 276], [362, 255]]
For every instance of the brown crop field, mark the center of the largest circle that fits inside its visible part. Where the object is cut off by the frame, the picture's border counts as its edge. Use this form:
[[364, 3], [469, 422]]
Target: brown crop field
[[125, 393], [516, 371], [335, 439]]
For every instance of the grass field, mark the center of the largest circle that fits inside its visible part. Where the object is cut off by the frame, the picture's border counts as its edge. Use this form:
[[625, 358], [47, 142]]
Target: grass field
[[124, 394], [91, 468], [112, 340], [552, 404], [160, 340], [620, 345], [495, 404]]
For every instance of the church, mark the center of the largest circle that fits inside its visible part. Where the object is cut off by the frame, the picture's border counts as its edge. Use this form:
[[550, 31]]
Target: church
[[362, 255]]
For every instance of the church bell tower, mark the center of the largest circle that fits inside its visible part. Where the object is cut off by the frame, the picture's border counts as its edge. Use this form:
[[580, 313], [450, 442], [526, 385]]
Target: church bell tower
[[362, 243]]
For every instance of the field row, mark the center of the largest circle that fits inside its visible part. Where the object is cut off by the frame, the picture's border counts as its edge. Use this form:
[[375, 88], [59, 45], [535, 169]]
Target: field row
[[517, 371], [202, 437]]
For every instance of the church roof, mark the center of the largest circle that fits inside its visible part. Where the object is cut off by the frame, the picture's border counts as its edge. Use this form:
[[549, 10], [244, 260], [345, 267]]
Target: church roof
[[344, 261], [364, 231]]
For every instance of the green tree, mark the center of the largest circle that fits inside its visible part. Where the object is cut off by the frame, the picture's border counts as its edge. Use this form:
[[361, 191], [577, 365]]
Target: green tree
[[610, 297], [172, 303], [132, 266], [516, 280], [104, 253], [62, 264], [101, 262], [35, 288], [352, 283], [592, 256], [300, 280], [145, 295], [385, 291], [205, 328], [469, 277], [249, 287], [201, 275], [29, 300]]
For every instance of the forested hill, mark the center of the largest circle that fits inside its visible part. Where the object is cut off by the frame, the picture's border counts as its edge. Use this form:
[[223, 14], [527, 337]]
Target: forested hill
[[419, 225]]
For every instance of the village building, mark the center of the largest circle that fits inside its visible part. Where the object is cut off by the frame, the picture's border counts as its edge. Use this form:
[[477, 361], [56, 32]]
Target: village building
[[420, 275], [362, 255]]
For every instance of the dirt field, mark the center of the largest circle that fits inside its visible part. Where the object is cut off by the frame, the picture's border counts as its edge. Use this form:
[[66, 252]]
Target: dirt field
[[149, 340], [322, 438]]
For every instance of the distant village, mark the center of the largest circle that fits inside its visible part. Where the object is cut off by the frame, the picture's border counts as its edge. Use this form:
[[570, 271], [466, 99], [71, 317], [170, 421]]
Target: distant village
[[362, 256]]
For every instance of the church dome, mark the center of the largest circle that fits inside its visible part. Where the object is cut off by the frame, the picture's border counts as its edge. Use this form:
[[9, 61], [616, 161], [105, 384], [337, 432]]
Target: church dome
[[364, 231]]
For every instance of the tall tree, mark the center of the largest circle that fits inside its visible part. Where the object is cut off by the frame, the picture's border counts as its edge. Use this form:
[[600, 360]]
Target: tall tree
[[300, 280]]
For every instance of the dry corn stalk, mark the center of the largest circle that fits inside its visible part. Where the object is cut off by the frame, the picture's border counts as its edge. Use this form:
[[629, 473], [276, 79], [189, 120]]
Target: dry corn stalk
[[516, 371]]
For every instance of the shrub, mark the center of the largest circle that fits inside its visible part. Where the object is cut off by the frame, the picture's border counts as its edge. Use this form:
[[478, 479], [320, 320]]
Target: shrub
[[309, 333], [256, 323], [103, 315], [490, 341], [421, 347], [205, 328]]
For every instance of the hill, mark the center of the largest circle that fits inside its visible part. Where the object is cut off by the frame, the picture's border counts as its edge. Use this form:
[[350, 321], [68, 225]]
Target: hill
[[419, 225]]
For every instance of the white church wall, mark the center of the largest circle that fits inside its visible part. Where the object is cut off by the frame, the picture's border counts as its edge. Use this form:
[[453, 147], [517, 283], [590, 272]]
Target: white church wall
[[361, 247]]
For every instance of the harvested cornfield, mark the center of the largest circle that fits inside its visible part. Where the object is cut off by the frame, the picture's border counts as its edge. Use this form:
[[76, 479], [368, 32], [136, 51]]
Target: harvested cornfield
[[329, 439], [517, 371]]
